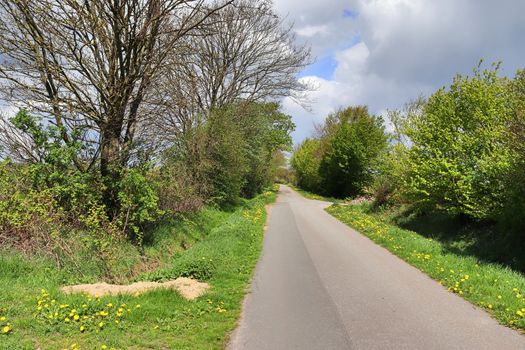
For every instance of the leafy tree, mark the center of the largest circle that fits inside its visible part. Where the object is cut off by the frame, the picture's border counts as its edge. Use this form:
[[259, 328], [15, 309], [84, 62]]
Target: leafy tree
[[226, 154], [93, 64], [267, 132], [305, 162], [355, 140], [458, 159], [514, 208], [235, 146]]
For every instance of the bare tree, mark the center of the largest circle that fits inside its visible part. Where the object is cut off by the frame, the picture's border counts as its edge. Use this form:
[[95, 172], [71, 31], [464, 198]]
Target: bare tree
[[246, 52], [89, 64]]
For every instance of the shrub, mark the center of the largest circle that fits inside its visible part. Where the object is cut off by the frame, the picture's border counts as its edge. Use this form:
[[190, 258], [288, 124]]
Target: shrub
[[138, 203]]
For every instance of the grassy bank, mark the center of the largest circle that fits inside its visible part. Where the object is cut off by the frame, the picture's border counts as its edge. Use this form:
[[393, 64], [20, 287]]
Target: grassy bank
[[494, 287], [218, 247]]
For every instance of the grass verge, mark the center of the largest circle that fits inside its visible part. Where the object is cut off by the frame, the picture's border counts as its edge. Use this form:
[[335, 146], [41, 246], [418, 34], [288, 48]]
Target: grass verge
[[35, 314], [494, 287]]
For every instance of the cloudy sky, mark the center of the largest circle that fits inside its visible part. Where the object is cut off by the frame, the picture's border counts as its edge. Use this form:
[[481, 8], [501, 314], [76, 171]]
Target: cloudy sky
[[383, 53]]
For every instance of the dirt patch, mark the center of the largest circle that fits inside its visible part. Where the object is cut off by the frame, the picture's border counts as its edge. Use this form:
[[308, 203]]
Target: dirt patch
[[187, 287]]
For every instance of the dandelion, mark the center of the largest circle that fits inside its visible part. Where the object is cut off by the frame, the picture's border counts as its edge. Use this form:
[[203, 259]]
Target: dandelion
[[137, 306], [6, 329]]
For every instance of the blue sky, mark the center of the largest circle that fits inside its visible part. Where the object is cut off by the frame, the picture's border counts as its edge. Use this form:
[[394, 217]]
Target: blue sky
[[383, 53]]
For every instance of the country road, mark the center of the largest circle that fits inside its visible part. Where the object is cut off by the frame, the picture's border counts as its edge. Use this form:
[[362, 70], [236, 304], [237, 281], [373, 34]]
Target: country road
[[321, 285]]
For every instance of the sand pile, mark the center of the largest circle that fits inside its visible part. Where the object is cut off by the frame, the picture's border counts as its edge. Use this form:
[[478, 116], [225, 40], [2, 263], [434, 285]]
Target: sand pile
[[187, 287]]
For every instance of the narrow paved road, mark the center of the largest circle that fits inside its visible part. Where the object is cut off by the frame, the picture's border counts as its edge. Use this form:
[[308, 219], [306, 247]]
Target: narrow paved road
[[321, 285]]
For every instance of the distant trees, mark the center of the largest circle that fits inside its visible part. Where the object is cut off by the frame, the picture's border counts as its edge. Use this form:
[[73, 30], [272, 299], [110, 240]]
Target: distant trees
[[239, 143], [341, 161], [461, 151], [305, 161], [354, 141]]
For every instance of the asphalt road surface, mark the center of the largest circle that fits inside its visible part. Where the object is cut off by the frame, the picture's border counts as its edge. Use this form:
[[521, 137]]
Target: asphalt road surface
[[321, 285]]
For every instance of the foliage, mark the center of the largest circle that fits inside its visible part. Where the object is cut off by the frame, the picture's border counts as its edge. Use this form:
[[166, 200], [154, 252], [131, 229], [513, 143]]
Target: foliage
[[340, 162], [458, 159], [513, 217], [386, 185], [178, 188], [267, 131], [355, 141], [231, 151], [305, 161], [44, 199], [226, 151], [138, 203]]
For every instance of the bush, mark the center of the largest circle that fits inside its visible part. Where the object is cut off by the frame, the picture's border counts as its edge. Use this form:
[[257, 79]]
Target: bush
[[387, 183], [138, 204], [42, 202], [178, 189]]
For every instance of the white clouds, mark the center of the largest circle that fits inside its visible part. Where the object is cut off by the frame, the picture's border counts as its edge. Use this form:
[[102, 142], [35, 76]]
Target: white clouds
[[407, 48], [310, 31], [352, 62]]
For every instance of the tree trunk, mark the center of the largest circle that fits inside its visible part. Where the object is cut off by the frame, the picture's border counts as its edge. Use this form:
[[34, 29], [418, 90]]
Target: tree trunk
[[111, 168]]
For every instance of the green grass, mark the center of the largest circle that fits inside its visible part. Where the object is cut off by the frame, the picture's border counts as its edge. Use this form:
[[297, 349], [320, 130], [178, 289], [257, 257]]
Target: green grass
[[223, 250], [495, 287]]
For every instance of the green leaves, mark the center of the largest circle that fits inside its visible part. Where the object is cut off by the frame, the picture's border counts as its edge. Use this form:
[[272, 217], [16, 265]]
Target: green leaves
[[306, 161], [349, 161], [341, 161], [458, 160]]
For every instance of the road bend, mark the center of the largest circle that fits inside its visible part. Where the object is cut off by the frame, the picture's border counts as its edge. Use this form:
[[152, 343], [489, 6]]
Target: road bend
[[321, 285]]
